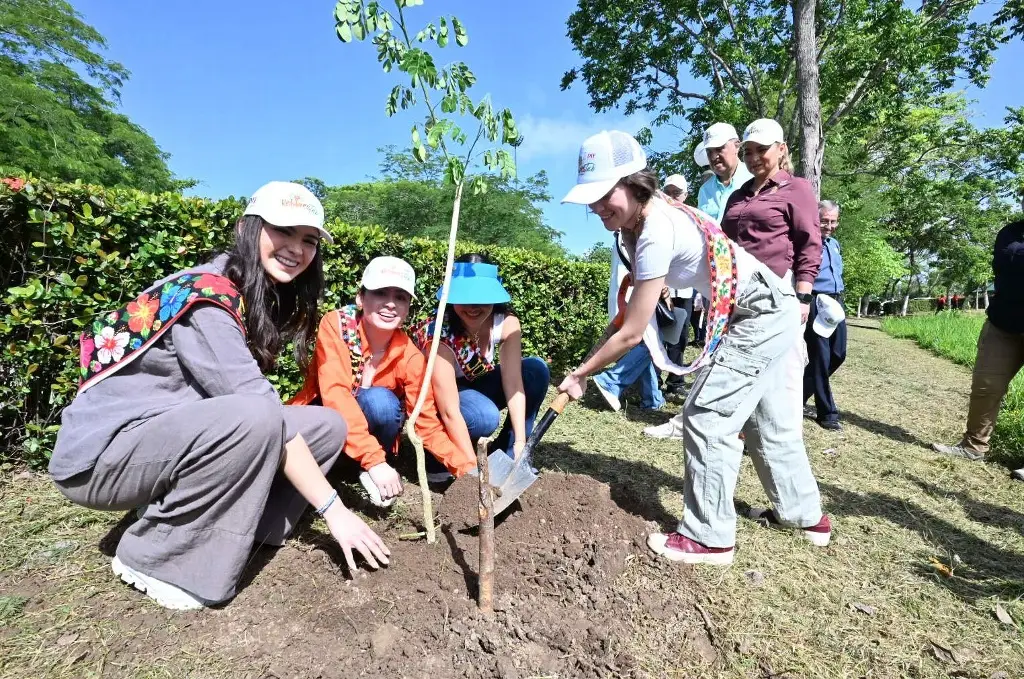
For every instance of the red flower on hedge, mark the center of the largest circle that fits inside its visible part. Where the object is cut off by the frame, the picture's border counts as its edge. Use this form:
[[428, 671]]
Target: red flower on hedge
[[219, 285], [14, 183], [141, 313]]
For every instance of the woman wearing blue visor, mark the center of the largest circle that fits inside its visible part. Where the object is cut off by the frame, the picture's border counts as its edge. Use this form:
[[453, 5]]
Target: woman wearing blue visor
[[481, 368]]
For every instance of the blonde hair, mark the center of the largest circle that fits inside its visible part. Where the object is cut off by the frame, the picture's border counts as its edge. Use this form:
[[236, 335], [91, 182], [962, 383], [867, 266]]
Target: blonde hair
[[785, 161]]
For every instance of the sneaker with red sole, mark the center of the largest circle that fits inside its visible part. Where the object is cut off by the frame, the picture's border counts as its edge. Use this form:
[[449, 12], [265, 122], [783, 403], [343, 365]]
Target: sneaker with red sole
[[818, 535], [676, 547]]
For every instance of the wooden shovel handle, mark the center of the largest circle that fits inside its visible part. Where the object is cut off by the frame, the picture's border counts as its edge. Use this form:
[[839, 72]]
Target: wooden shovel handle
[[558, 405]]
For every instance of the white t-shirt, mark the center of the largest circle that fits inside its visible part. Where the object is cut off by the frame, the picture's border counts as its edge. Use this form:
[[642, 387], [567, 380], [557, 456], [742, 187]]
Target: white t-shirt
[[672, 245]]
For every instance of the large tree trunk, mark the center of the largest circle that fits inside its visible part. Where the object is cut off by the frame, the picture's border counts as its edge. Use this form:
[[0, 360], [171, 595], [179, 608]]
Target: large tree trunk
[[812, 147]]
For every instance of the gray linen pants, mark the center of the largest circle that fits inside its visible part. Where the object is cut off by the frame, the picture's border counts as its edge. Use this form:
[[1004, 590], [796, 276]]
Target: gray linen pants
[[208, 475], [745, 389]]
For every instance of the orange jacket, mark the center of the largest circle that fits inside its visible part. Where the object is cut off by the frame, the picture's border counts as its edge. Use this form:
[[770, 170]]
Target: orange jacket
[[330, 379]]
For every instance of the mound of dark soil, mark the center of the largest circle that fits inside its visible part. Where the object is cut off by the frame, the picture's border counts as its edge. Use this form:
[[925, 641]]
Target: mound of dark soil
[[576, 592]]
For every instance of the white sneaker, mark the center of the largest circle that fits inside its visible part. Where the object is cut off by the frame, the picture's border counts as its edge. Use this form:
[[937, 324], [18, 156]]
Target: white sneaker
[[612, 400], [164, 593], [673, 429]]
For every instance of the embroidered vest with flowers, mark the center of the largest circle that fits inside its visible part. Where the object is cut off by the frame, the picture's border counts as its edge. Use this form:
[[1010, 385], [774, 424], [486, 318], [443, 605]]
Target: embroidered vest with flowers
[[471, 359], [119, 337], [724, 283]]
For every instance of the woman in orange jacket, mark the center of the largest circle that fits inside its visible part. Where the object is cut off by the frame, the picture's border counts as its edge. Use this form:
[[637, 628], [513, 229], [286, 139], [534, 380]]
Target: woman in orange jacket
[[366, 368]]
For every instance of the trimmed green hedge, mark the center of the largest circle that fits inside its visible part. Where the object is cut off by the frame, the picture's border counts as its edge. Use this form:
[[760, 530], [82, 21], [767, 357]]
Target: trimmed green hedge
[[70, 251]]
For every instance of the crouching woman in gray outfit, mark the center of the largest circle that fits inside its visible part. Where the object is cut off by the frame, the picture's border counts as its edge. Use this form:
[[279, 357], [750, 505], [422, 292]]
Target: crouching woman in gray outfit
[[174, 414]]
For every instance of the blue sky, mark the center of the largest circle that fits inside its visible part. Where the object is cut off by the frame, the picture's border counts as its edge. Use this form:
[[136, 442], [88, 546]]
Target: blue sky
[[240, 93]]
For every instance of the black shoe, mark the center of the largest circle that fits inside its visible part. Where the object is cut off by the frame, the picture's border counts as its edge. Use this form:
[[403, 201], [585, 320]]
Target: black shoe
[[831, 425]]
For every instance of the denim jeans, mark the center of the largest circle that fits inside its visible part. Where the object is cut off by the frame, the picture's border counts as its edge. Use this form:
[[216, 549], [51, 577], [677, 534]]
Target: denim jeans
[[482, 400], [635, 365], [744, 389], [384, 414], [824, 356]]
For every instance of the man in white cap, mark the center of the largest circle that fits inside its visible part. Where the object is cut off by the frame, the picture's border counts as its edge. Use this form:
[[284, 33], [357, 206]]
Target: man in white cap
[[676, 187], [720, 149]]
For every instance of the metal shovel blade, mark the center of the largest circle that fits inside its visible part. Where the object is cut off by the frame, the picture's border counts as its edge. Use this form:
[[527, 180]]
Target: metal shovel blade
[[508, 478], [511, 477]]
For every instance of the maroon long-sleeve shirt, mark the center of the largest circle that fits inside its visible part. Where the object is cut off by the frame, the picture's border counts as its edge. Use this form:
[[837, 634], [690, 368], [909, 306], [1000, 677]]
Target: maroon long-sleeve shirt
[[779, 226]]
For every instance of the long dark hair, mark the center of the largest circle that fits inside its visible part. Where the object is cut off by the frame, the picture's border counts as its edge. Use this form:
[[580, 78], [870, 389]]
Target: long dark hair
[[452, 318], [275, 313]]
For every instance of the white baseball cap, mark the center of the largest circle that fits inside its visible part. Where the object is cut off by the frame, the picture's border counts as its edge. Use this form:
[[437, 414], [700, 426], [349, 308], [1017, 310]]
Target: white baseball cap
[[715, 137], [288, 204], [830, 315], [677, 180], [763, 131], [389, 272], [700, 155], [605, 158]]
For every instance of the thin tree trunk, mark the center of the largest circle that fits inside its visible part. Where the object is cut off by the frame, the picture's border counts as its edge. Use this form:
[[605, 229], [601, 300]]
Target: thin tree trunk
[[485, 593], [410, 427], [812, 147]]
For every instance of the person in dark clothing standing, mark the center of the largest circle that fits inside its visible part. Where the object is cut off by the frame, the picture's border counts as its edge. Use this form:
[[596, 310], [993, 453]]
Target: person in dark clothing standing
[[825, 354], [1000, 347]]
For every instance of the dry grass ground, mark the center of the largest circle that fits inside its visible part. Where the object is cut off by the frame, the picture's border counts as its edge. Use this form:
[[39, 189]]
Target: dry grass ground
[[926, 551]]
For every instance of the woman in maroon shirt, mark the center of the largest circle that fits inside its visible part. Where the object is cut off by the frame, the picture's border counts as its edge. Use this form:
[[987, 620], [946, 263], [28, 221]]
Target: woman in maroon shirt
[[774, 216]]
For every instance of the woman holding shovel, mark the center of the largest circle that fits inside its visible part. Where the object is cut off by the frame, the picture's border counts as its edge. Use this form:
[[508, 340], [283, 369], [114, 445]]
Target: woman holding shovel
[[481, 368], [175, 417], [366, 368], [754, 319]]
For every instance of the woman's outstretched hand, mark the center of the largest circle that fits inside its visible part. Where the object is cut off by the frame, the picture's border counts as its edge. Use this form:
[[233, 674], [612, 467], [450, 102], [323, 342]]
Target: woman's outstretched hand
[[573, 386], [351, 532]]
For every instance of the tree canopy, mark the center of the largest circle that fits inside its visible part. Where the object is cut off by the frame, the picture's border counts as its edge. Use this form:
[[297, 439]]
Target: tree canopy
[[58, 98], [875, 58]]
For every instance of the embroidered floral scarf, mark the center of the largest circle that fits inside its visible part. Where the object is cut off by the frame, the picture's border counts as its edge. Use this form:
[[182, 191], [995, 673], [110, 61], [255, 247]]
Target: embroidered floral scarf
[[119, 337], [724, 275], [471, 359]]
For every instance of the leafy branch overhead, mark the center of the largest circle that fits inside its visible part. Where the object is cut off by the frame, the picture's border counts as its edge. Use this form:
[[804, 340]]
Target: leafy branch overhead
[[443, 90], [876, 58]]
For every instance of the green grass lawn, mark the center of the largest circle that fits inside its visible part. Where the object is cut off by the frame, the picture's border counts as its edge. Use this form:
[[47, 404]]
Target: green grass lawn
[[955, 336]]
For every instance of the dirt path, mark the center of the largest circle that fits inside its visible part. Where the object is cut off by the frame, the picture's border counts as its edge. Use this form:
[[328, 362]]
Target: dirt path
[[579, 595]]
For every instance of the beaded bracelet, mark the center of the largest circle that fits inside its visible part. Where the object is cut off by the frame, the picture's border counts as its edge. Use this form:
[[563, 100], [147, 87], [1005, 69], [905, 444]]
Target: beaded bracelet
[[327, 505]]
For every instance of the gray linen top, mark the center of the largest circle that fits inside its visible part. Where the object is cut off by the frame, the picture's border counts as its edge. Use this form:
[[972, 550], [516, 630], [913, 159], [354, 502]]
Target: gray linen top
[[203, 355]]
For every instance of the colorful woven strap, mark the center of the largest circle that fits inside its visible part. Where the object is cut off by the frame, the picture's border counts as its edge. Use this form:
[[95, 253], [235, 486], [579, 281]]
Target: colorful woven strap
[[119, 337], [468, 355], [348, 326], [724, 275]]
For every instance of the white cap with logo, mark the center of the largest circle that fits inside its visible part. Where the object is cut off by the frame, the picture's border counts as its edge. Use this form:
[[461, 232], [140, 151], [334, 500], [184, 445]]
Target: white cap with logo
[[389, 272], [678, 181], [763, 131], [605, 158], [288, 204], [830, 315], [715, 137]]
